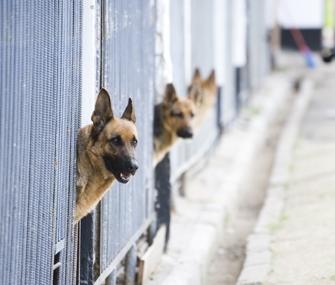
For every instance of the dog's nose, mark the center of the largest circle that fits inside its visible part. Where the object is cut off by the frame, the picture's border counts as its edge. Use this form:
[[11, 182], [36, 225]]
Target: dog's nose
[[185, 133], [189, 133], [132, 166]]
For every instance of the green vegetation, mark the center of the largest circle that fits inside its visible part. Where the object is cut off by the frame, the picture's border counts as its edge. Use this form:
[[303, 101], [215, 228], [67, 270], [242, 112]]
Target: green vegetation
[[255, 111], [274, 226]]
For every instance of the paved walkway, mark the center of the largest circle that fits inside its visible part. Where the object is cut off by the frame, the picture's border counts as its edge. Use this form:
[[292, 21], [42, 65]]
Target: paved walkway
[[303, 243]]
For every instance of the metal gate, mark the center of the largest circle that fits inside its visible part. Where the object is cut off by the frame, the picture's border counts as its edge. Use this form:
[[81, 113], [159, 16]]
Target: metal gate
[[40, 73]]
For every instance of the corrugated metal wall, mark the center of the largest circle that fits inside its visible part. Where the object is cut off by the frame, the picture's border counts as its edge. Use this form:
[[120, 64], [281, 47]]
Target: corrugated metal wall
[[40, 71], [128, 71]]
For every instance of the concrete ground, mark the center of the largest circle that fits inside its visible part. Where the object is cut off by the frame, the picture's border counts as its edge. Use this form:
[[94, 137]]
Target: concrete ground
[[228, 261], [293, 241], [303, 244]]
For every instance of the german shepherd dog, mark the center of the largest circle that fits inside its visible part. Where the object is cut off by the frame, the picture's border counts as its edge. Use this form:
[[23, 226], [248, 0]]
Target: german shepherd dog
[[173, 119], [106, 152], [203, 93]]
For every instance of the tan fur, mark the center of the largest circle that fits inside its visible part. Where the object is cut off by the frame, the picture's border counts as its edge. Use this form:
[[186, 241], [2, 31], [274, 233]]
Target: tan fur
[[203, 93], [168, 125], [93, 178]]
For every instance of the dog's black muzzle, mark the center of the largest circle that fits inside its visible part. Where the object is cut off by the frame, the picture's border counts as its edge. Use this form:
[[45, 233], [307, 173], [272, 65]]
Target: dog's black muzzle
[[185, 133], [121, 168]]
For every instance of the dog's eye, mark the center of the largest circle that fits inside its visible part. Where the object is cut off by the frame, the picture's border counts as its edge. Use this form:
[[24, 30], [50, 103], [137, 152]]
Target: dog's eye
[[192, 115], [116, 141], [134, 143], [180, 115]]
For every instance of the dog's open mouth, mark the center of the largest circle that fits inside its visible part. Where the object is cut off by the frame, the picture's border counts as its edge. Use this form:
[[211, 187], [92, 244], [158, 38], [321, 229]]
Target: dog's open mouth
[[125, 176]]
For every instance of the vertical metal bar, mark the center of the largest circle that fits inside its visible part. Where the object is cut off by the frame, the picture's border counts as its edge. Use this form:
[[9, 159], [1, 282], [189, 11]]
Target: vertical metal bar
[[220, 110], [152, 232], [130, 272], [237, 89], [163, 203], [96, 242], [111, 279], [86, 250]]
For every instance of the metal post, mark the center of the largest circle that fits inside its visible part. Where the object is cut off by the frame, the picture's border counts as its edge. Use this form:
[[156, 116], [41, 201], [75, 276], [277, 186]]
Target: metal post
[[152, 231], [163, 203], [130, 272], [111, 279], [86, 250], [219, 110], [238, 71]]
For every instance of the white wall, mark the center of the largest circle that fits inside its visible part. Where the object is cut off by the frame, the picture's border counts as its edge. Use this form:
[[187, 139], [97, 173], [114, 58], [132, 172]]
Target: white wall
[[219, 41], [89, 62], [301, 13], [240, 33], [163, 65], [202, 36], [188, 42], [270, 10]]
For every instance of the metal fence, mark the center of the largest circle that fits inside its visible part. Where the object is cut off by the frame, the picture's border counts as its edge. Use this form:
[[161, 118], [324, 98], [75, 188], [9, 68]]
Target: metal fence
[[41, 69], [214, 28], [128, 70], [40, 49], [192, 32]]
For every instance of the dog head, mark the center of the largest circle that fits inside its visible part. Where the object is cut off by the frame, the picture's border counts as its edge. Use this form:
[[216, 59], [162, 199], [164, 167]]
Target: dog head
[[203, 92], [178, 113], [115, 140]]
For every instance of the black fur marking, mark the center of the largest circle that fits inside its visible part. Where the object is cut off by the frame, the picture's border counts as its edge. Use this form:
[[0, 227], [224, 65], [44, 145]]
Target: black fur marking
[[110, 163], [117, 166], [158, 121], [97, 129], [120, 141]]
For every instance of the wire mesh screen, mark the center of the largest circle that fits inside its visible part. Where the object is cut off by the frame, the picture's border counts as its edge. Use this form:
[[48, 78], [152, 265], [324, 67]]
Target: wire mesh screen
[[128, 71], [40, 71]]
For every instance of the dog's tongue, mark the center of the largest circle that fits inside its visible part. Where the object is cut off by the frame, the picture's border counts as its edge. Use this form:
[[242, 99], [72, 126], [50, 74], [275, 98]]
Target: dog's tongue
[[125, 175]]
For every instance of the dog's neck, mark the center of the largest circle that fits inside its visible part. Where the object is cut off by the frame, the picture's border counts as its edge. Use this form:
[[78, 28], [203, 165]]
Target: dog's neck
[[163, 138], [90, 188]]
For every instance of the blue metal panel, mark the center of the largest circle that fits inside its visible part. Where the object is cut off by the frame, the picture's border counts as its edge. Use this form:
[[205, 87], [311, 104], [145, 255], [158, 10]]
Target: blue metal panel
[[40, 85], [128, 71]]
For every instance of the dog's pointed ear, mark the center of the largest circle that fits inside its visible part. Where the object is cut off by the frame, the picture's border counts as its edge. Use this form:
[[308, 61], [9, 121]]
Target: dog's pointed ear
[[129, 112], [196, 75], [193, 93], [103, 112], [170, 95], [211, 78]]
